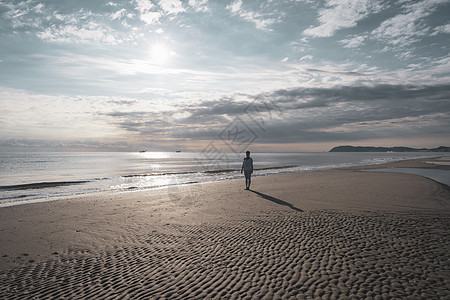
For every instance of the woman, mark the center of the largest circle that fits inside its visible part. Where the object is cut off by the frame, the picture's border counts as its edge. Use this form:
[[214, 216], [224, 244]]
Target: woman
[[247, 167]]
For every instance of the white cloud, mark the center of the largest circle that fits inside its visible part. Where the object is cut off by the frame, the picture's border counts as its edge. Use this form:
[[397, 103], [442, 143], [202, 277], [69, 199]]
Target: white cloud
[[38, 8], [261, 21], [90, 32], [304, 40], [340, 14], [66, 18], [79, 27], [23, 14], [405, 29], [171, 6], [118, 14], [144, 6], [199, 5], [40, 116], [441, 29], [156, 91], [306, 57], [235, 7], [400, 30], [145, 14], [150, 17], [354, 42]]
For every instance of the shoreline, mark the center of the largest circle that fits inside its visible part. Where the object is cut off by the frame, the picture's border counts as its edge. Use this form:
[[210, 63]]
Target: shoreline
[[424, 162], [338, 232], [435, 169]]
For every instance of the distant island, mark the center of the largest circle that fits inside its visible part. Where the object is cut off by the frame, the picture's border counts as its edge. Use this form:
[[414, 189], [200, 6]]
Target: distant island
[[387, 149]]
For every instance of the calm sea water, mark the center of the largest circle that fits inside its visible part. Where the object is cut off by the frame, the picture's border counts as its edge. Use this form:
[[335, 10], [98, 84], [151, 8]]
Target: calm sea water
[[31, 177]]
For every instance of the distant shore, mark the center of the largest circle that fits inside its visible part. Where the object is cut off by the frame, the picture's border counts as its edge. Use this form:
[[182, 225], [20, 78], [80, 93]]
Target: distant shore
[[388, 149], [341, 233]]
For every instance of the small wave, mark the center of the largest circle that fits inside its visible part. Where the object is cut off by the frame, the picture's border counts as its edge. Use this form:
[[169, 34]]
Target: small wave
[[204, 172], [154, 186], [157, 174], [274, 168], [219, 171], [256, 169], [40, 185], [16, 197]]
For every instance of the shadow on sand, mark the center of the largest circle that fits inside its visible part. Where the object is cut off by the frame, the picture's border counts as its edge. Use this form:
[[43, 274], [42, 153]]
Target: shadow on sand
[[276, 200]]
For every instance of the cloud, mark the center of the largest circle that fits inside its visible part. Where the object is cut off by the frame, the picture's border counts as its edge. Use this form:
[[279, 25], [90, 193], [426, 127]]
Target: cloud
[[441, 29], [261, 21], [147, 124], [307, 115], [150, 17], [340, 14], [343, 107], [405, 29], [86, 33], [145, 11], [122, 102], [144, 6], [224, 106], [224, 62], [81, 26], [171, 6], [199, 5], [331, 114], [339, 73], [118, 14], [39, 116], [359, 113], [39, 8], [354, 42], [82, 144], [151, 14], [23, 15]]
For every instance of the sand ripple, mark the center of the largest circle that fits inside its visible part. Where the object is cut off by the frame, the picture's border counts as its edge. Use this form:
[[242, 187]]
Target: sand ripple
[[286, 255]]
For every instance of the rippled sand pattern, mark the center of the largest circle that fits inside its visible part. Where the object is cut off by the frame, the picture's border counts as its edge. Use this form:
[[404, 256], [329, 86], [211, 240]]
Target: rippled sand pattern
[[316, 254]]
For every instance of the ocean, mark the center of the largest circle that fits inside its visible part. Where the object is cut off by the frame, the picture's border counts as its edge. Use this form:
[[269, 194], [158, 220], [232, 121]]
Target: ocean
[[28, 177]]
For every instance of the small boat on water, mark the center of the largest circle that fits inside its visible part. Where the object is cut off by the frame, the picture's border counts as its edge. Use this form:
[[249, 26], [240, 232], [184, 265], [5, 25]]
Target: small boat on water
[[177, 151], [142, 151]]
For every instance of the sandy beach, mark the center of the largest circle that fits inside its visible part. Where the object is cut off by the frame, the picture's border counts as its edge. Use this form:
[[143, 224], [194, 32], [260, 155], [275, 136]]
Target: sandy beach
[[334, 234]]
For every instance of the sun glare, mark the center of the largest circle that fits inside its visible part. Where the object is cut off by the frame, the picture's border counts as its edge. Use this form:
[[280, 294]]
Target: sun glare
[[160, 53]]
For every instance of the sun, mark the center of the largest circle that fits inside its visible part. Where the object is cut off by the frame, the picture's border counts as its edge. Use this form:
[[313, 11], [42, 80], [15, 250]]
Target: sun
[[160, 53]]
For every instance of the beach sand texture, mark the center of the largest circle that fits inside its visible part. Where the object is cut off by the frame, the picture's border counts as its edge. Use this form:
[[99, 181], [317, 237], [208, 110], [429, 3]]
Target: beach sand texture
[[319, 235]]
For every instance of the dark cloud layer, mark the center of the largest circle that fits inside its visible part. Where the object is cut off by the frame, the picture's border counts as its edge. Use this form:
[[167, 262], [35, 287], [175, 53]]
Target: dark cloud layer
[[310, 115]]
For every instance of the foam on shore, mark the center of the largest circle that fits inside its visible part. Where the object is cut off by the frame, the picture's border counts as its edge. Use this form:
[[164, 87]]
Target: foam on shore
[[442, 176]]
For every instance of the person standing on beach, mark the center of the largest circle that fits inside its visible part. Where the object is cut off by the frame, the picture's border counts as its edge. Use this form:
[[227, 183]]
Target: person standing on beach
[[247, 167]]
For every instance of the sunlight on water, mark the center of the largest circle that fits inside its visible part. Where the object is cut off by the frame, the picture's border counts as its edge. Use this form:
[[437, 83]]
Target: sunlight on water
[[153, 154], [143, 182]]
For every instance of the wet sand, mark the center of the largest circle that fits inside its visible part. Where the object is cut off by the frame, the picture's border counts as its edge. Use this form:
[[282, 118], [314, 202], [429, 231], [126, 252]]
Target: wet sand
[[328, 234]]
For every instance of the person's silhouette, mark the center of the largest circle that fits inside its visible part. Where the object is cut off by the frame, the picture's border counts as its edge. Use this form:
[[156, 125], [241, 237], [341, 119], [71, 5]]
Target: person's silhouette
[[247, 167]]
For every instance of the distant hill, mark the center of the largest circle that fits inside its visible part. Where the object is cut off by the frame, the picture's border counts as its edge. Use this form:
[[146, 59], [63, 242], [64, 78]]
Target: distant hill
[[387, 149]]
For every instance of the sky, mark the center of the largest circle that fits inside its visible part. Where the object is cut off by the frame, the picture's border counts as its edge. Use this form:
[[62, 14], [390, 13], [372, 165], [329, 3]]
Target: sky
[[223, 75]]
